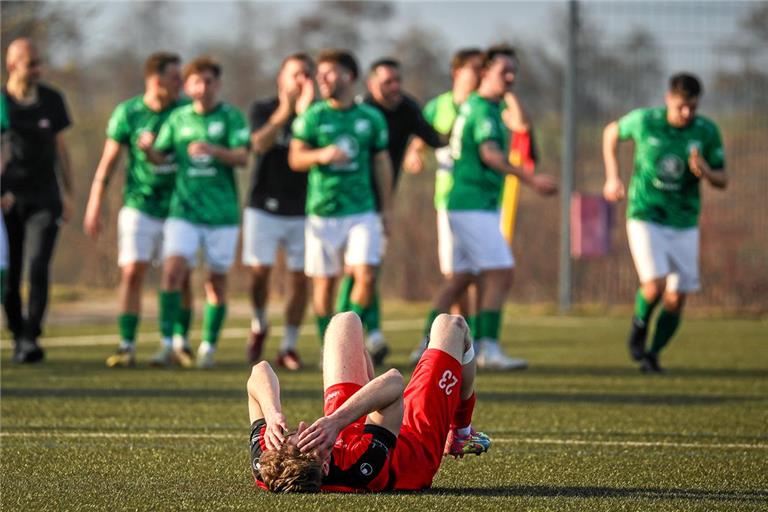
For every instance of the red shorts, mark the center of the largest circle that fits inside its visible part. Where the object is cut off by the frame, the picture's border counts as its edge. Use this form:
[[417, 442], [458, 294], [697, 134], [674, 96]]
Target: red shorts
[[431, 398]]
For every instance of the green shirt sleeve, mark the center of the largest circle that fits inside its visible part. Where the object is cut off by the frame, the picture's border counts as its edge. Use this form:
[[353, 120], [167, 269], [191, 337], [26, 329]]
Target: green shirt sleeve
[[239, 135], [117, 127], [429, 111], [631, 124], [714, 153], [486, 127], [381, 133], [303, 127], [164, 140]]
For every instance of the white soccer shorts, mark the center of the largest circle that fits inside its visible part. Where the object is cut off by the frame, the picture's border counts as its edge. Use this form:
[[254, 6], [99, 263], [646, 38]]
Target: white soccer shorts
[[218, 243], [139, 236], [360, 236], [471, 242], [263, 232], [662, 251]]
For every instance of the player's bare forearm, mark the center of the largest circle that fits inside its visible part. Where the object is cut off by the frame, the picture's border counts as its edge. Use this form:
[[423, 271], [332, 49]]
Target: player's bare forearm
[[107, 165], [263, 392], [301, 156], [383, 172], [493, 157], [64, 164], [264, 138], [610, 146], [155, 156], [233, 157], [718, 178], [376, 395]]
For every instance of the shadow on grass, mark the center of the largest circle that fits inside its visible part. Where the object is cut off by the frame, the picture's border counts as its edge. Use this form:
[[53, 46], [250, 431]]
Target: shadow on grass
[[201, 394], [632, 370], [553, 491], [617, 398]]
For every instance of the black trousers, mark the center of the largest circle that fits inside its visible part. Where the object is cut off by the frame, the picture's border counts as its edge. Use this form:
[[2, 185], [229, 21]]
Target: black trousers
[[34, 228]]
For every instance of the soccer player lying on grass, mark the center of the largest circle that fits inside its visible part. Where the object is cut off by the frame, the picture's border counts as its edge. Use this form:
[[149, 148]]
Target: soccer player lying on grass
[[373, 436]]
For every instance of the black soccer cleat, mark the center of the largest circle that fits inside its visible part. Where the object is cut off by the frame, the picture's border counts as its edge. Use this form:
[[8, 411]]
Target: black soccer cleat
[[27, 352], [636, 341], [650, 364], [380, 354]]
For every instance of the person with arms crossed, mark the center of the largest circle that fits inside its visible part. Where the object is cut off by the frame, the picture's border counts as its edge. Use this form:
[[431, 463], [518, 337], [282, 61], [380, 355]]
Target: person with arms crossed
[[404, 120], [675, 149], [337, 141], [275, 212], [36, 188], [209, 138], [374, 435], [479, 143], [146, 198]]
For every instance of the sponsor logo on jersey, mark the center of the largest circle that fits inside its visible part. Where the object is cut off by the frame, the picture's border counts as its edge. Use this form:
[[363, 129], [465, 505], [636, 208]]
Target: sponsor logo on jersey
[[348, 145], [44, 123], [362, 126], [186, 132], [326, 128], [366, 469]]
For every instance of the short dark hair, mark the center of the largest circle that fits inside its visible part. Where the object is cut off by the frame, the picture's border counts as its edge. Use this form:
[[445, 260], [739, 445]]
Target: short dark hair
[[686, 85], [158, 62], [343, 58], [496, 51], [201, 64], [300, 56], [462, 56], [388, 62]]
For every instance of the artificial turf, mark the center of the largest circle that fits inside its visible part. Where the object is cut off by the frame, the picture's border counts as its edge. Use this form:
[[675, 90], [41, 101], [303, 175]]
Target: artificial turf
[[581, 429]]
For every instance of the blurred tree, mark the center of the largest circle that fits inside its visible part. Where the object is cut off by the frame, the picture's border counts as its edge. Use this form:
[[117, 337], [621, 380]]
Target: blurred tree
[[425, 61]]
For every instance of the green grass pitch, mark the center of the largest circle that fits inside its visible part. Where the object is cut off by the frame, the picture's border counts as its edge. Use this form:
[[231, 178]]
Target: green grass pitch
[[582, 429]]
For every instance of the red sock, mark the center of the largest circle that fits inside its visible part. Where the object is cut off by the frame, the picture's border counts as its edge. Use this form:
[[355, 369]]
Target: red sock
[[463, 416]]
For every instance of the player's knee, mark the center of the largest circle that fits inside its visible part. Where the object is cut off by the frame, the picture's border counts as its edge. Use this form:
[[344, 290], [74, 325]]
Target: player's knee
[[447, 327], [133, 275], [653, 290], [260, 272], [673, 302], [344, 327]]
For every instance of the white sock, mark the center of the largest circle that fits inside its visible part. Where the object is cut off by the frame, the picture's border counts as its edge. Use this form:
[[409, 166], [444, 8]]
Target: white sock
[[206, 348], [375, 339], [290, 338], [127, 345], [180, 342], [168, 342], [259, 320], [464, 432]]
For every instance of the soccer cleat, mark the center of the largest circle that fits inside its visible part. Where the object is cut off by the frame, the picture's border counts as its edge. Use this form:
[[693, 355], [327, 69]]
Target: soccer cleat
[[289, 359], [124, 358], [491, 357], [636, 341], [184, 357], [419, 351], [255, 346], [162, 358], [473, 443], [28, 351], [377, 348], [650, 364], [205, 355]]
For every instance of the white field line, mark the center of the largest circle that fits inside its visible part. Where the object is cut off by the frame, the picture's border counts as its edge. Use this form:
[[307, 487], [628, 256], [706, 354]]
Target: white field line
[[507, 440], [76, 340]]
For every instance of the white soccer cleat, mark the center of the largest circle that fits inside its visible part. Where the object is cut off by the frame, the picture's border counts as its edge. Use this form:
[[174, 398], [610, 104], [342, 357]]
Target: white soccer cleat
[[491, 357], [162, 358], [205, 355]]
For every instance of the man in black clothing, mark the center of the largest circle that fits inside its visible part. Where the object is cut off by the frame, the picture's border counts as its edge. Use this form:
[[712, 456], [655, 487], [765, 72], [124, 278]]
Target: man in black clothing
[[404, 120], [32, 185], [276, 207]]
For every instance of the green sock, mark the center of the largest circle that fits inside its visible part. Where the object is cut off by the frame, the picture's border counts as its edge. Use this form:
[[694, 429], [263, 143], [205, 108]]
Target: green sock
[[373, 313], [344, 299], [472, 324], [430, 318], [322, 326], [666, 325], [359, 310], [127, 323], [643, 308], [213, 319], [183, 320], [489, 325], [170, 303]]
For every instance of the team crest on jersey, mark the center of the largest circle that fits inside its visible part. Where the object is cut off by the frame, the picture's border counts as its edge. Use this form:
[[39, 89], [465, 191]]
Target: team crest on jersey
[[348, 145], [216, 129], [671, 168], [362, 126]]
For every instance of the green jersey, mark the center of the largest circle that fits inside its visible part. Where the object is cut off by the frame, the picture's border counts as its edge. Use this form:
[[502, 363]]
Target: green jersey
[[206, 190], [4, 121], [441, 113], [663, 189], [148, 187], [475, 185], [360, 131]]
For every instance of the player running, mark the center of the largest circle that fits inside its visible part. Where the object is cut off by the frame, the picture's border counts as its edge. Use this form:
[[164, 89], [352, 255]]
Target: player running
[[479, 141], [337, 141], [275, 213], [675, 150], [372, 436], [209, 139], [146, 198], [404, 120]]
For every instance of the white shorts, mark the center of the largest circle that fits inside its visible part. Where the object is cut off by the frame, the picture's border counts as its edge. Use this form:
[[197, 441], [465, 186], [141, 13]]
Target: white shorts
[[139, 236], [662, 251], [471, 242], [263, 232], [360, 236], [218, 243]]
